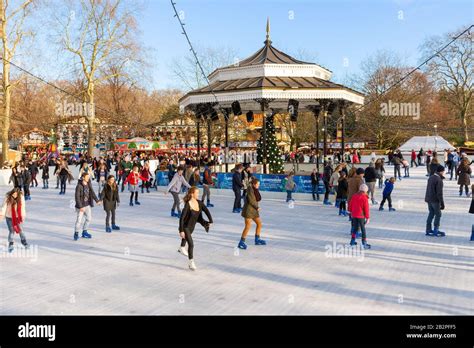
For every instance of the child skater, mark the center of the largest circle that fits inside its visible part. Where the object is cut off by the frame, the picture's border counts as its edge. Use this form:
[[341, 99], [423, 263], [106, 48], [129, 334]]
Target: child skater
[[192, 211], [360, 213], [14, 211], [111, 199], [342, 193], [145, 172], [45, 174], [387, 192], [132, 180]]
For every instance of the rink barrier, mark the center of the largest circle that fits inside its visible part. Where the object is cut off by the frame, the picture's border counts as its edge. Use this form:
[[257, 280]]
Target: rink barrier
[[268, 182]]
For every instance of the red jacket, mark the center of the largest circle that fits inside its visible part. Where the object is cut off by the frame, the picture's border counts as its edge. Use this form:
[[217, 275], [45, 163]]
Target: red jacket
[[359, 206], [133, 177], [145, 173]]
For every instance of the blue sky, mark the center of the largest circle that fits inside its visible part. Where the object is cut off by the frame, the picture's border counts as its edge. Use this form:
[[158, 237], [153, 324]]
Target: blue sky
[[328, 30]]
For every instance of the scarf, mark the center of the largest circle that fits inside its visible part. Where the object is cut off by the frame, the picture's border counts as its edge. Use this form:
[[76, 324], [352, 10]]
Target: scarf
[[256, 192], [17, 219]]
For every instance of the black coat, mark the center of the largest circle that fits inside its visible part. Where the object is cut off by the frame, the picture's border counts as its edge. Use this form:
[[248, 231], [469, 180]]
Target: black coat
[[471, 210], [370, 175], [45, 174], [110, 197], [434, 190], [237, 181], [80, 199], [342, 189]]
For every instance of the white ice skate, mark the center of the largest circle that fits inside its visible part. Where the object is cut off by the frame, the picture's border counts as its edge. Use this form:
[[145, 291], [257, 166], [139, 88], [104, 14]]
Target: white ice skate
[[192, 265], [183, 251]]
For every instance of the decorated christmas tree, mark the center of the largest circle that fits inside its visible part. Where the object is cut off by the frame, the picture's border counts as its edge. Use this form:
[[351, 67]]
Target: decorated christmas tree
[[274, 161]]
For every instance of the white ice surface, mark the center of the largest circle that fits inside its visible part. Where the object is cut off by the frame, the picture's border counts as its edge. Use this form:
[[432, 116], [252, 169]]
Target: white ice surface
[[138, 270]]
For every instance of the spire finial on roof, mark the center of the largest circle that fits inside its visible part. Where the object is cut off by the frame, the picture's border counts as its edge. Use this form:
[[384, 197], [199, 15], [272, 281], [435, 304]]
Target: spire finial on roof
[[268, 30]]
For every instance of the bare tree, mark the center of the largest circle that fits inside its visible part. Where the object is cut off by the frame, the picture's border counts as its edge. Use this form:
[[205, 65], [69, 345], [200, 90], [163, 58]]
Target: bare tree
[[453, 72], [12, 17], [98, 33], [188, 72]]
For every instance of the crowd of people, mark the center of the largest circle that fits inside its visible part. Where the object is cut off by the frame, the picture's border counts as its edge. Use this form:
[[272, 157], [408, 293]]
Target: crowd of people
[[353, 185]]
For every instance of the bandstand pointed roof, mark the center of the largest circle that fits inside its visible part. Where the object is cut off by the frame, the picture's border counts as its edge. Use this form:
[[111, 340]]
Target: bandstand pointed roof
[[270, 74]]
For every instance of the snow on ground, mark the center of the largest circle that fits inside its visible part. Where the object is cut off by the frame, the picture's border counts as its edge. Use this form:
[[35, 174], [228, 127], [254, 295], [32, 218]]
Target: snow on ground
[[138, 270]]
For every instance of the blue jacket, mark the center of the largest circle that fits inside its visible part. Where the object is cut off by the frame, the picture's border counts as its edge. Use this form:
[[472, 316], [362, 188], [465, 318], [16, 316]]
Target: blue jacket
[[388, 187]]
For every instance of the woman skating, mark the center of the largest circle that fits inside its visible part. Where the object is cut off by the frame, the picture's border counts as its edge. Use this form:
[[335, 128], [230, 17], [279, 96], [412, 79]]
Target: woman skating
[[13, 209], [175, 188], [102, 174], [464, 176], [132, 181], [111, 199], [64, 175], [250, 213], [45, 174], [192, 210]]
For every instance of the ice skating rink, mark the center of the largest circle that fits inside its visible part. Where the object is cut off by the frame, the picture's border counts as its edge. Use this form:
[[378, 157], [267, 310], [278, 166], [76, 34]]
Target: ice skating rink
[[306, 268]]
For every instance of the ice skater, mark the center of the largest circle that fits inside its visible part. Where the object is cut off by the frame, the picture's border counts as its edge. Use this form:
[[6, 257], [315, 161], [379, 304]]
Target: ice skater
[[85, 197], [434, 199], [175, 187], [45, 174], [250, 213], [387, 193], [14, 211], [360, 213], [132, 181], [341, 194], [192, 211], [111, 200]]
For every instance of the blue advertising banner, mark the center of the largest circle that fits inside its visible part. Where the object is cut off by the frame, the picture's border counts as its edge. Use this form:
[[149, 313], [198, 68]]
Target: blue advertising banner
[[162, 178], [224, 181], [268, 182]]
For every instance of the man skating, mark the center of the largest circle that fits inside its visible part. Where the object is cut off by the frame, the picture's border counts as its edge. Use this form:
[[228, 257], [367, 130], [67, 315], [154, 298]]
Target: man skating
[[85, 197], [435, 201]]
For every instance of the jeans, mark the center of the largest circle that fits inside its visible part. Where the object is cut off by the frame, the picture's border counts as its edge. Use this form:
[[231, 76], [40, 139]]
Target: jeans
[[63, 179], [359, 223], [288, 195], [381, 182], [371, 192], [413, 162], [407, 171], [314, 191], [396, 170], [11, 231], [83, 219], [26, 190], [326, 188], [206, 193], [434, 212], [237, 200], [46, 183], [342, 204], [175, 202], [387, 198], [453, 171]]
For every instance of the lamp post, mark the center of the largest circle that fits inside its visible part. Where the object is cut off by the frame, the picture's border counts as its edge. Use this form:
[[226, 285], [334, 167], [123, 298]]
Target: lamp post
[[436, 137]]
